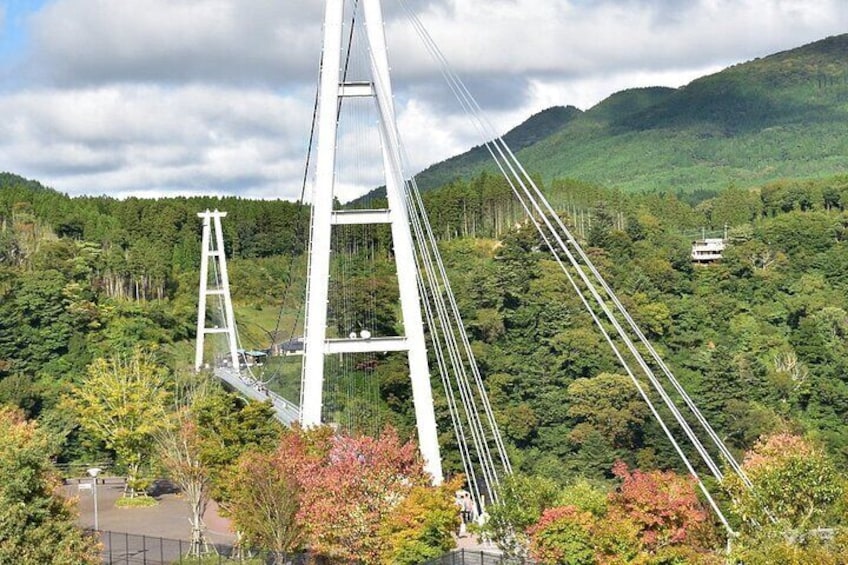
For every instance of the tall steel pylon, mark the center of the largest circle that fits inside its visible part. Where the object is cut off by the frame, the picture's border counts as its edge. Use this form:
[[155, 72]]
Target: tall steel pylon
[[213, 250], [333, 89]]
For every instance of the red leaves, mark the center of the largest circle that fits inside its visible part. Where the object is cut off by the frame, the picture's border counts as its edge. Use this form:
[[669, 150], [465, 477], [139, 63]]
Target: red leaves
[[652, 513], [563, 535], [662, 503], [349, 485], [359, 499]]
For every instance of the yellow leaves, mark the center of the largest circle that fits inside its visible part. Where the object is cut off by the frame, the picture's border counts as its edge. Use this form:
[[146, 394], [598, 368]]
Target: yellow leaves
[[122, 402], [37, 524], [421, 521]]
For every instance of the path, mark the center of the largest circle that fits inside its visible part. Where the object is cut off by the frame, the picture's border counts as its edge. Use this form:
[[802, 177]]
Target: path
[[170, 518]]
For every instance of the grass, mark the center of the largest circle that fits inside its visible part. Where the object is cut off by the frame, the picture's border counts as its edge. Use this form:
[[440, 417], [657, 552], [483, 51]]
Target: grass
[[137, 502]]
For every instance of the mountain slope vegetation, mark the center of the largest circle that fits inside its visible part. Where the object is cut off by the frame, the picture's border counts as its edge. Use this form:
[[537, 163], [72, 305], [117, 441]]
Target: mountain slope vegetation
[[781, 116], [759, 339]]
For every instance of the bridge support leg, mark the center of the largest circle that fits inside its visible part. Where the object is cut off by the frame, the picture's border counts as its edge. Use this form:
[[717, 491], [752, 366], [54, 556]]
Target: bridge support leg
[[332, 90], [213, 250]]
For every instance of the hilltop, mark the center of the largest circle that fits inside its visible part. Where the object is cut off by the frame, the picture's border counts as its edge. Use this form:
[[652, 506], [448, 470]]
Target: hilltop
[[780, 116]]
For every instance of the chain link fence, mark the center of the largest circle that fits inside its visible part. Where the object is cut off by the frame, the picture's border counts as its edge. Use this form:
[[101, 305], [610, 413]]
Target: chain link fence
[[129, 549], [119, 548]]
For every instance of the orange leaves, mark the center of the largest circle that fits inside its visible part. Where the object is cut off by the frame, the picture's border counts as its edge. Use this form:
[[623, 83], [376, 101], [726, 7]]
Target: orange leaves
[[335, 494], [795, 482], [663, 503], [351, 490], [353, 499], [651, 514]]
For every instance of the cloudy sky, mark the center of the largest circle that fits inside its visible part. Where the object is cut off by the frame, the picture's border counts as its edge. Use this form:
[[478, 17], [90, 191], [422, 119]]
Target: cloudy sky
[[166, 97]]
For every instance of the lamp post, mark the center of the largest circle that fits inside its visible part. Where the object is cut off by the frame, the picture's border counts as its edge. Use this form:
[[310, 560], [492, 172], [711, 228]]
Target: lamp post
[[93, 472]]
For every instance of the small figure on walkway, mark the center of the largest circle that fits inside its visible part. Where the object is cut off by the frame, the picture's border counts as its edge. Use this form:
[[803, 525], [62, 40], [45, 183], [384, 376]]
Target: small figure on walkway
[[466, 510]]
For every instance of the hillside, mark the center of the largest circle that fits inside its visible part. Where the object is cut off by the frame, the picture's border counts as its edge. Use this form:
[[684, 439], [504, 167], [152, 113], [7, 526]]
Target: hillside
[[757, 339], [780, 116], [535, 129]]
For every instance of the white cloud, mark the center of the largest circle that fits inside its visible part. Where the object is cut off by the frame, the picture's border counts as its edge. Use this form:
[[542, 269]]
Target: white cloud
[[131, 139], [572, 38], [223, 41]]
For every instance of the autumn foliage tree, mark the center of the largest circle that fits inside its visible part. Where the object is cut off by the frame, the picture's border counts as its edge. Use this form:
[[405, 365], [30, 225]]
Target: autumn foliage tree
[[359, 499], [663, 504], [795, 482], [420, 526], [37, 526], [357, 486], [795, 512], [181, 454], [122, 402], [563, 535], [265, 496], [653, 517]]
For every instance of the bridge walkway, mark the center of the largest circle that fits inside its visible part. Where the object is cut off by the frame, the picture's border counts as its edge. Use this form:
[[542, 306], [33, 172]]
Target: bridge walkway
[[285, 411]]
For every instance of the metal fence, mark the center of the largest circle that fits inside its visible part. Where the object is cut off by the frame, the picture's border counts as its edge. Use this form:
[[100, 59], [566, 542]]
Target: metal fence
[[130, 549], [121, 548], [468, 557]]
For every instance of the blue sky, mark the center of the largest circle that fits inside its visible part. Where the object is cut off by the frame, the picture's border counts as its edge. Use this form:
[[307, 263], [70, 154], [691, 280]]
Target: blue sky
[[162, 97], [14, 40], [14, 16]]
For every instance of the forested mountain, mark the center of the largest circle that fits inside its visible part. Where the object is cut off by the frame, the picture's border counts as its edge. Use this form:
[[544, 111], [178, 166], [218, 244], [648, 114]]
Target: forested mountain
[[533, 130], [759, 339], [776, 117], [760, 336]]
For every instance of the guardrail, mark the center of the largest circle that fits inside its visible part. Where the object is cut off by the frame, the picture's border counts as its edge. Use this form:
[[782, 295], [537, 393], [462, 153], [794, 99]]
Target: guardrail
[[287, 412], [469, 557]]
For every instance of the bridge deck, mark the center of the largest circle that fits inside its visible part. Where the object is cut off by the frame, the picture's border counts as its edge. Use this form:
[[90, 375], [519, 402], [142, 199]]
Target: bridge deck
[[285, 411]]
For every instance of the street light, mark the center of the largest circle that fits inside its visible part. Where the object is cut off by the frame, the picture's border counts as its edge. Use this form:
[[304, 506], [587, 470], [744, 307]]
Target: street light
[[93, 472]]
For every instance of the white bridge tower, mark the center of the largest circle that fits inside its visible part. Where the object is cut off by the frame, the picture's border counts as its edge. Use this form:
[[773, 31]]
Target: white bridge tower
[[213, 250], [333, 88]]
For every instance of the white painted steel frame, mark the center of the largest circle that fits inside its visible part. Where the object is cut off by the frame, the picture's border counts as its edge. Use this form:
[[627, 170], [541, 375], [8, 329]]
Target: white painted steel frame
[[212, 222], [316, 345]]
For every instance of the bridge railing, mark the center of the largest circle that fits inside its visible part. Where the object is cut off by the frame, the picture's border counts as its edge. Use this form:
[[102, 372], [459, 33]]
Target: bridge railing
[[287, 412], [477, 557]]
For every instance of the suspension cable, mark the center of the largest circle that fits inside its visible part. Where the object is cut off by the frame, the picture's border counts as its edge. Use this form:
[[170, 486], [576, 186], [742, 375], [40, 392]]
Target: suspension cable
[[434, 288], [505, 159]]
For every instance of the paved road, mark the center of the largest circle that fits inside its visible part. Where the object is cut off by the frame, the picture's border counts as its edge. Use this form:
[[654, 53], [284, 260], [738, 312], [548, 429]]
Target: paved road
[[168, 519]]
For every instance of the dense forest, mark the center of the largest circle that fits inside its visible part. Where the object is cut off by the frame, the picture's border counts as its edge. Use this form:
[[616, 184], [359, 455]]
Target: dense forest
[[758, 339]]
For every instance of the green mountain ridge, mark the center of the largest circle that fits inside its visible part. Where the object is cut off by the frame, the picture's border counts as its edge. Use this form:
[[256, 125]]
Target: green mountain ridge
[[534, 129], [778, 116]]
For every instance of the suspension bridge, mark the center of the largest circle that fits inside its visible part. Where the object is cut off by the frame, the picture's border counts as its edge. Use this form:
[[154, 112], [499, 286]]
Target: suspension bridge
[[354, 74]]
